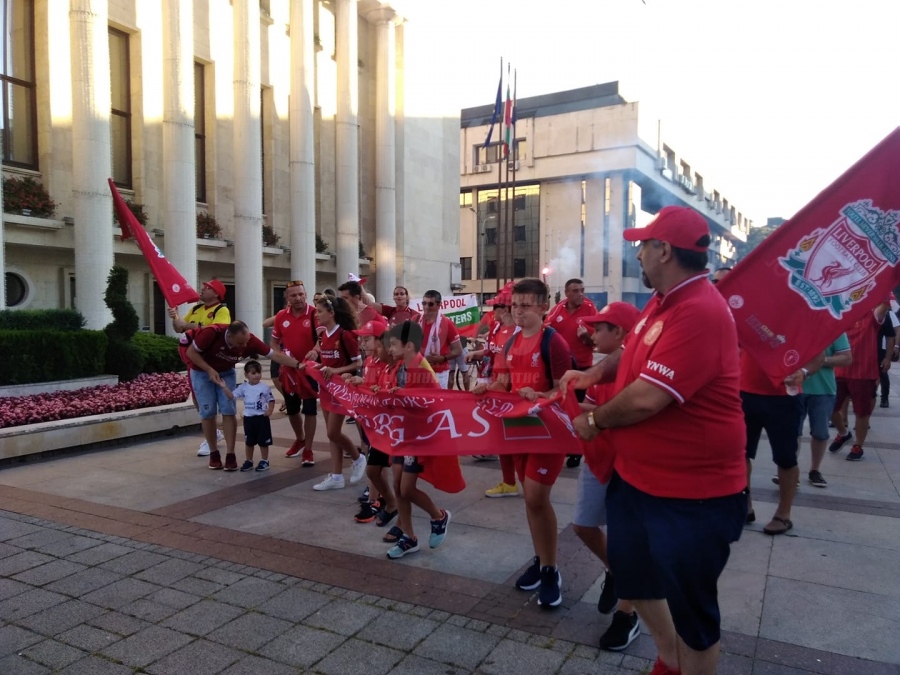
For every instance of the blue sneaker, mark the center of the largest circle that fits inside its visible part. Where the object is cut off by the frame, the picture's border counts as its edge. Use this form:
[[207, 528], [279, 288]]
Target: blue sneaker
[[247, 466], [263, 465], [531, 577], [439, 530], [550, 593], [402, 547]]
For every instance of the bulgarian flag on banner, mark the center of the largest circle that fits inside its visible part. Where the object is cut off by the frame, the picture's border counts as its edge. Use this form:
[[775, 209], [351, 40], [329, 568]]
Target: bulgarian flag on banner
[[463, 310], [508, 117]]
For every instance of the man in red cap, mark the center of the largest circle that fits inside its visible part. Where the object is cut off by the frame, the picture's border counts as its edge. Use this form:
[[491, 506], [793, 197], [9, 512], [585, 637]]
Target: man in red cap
[[211, 310], [676, 499]]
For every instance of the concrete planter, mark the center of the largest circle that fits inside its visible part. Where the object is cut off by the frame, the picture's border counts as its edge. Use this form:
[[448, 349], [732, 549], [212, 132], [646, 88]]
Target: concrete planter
[[58, 385]]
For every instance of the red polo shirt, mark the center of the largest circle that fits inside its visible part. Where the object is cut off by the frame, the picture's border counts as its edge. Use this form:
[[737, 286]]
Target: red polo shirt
[[566, 324], [863, 337], [685, 343], [296, 332], [396, 316]]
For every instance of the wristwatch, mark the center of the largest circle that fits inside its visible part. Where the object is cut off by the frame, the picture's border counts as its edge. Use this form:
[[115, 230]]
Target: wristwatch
[[590, 419], [805, 372]]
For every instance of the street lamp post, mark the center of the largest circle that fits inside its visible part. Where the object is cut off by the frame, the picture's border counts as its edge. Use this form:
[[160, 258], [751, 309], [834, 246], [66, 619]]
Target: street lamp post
[[481, 256]]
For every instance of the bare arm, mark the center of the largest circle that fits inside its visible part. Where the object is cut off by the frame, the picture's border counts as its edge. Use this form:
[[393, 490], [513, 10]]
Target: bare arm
[[268, 323], [605, 371], [839, 360], [637, 402]]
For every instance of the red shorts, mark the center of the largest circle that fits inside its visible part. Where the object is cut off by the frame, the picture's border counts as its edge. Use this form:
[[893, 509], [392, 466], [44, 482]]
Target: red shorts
[[542, 468], [860, 392]]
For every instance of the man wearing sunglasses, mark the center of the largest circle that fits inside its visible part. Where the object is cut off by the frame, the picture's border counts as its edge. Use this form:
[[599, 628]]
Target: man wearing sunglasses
[[294, 333], [441, 344]]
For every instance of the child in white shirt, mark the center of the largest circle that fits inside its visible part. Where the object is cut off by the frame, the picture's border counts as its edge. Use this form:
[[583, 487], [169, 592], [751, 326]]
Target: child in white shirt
[[258, 406]]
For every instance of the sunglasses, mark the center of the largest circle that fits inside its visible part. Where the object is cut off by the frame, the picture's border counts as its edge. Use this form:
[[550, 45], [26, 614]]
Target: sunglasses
[[291, 284], [429, 303]]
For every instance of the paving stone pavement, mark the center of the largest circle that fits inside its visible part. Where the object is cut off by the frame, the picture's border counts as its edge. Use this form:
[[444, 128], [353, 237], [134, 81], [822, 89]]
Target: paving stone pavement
[[126, 607]]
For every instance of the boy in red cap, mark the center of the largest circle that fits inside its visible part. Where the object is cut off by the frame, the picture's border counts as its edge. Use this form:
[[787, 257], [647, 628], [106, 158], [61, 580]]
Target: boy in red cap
[[610, 325]]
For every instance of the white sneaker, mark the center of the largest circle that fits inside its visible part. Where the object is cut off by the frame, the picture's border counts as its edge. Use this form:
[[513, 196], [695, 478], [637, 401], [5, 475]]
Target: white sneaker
[[359, 469], [204, 450], [219, 435], [332, 482]]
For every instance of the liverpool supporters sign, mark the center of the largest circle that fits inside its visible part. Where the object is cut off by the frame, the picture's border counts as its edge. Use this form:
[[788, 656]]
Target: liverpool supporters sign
[[436, 422], [823, 269], [462, 310]]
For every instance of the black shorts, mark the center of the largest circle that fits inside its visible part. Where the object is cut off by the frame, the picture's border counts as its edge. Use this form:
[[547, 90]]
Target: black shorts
[[378, 458], [673, 549], [779, 416], [274, 369], [410, 463], [293, 404], [258, 431]]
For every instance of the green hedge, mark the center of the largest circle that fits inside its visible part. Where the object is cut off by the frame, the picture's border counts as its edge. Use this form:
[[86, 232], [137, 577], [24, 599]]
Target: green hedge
[[160, 353], [41, 319], [48, 355]]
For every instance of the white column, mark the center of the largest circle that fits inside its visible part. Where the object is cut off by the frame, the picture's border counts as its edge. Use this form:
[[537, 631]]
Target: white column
[[302, 150], [385, 168], [179, 189], [617, 206], [91, 199], [248, 260], [347, 140], [595, 204]]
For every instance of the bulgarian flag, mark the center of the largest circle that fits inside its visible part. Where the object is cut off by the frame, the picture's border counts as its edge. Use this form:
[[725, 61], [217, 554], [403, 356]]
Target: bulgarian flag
[[508, 117]]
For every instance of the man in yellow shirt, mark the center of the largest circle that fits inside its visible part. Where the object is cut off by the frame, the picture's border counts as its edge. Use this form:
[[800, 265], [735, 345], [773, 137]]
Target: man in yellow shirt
[[210, 310]]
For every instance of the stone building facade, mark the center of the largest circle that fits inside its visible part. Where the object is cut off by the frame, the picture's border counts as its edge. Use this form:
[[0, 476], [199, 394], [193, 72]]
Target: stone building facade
[[586, 167], [297, 116]]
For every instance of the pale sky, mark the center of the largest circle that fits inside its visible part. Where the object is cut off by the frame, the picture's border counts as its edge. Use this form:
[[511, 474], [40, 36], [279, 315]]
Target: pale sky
[[770, 100]]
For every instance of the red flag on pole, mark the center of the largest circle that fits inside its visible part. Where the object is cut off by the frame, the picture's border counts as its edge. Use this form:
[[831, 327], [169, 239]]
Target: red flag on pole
[[173, 286], [824, 269]]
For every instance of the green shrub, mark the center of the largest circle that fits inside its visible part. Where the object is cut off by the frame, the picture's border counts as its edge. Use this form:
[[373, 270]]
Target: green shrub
[[160, 353], [41, 319], [28, 356], [122, 358]]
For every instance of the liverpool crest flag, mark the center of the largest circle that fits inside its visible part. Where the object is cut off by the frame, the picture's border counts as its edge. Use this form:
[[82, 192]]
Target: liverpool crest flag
[[823, 269]]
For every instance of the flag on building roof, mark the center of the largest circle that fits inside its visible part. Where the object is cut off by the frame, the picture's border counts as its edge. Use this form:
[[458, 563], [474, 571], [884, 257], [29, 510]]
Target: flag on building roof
[[498, 107]]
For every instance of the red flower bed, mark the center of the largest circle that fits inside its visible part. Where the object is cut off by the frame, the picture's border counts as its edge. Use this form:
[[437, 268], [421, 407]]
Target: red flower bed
[[145, 391]]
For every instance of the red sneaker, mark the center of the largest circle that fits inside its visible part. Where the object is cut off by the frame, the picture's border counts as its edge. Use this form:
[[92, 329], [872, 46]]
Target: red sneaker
[[215, 460], [296, 449], [308, 459], [230, 462], [660, 668]]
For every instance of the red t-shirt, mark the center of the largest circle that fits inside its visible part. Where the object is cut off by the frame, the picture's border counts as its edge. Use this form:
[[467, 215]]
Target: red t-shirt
[[566, 324], [440, 338], [863, 337], [685, 343], [211, 342], [525, 366], [754, 379], [296, 333], [338, 348], [373, 373], [367, 314], [397, 316], [601, 457], [497, 339]]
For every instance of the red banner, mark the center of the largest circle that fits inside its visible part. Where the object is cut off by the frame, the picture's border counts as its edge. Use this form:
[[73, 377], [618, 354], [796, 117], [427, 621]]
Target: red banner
[[824, 269], [437, 422], [173, 286]]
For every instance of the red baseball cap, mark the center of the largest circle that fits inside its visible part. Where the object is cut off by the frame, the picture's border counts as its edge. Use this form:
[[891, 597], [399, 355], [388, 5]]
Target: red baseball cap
[[619, 314], [217, 286], [680, 226], [373, 328]]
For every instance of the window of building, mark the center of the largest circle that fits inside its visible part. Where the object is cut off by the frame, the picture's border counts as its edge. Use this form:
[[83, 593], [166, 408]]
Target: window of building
[[490, 234], [519, 202], [492, 205], [200, 131], [465, 199], [519, 267], [519, 234], [487, 155], [120, 118], [17, 75], [16, 289], [465, 265], [490, 269]]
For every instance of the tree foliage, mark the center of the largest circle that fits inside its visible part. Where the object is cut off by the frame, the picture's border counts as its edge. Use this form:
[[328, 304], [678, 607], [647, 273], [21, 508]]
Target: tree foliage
[[754, 239]]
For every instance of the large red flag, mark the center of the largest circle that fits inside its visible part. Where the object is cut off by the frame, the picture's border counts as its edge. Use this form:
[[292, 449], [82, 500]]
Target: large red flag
[[173, 286], [822, 270]]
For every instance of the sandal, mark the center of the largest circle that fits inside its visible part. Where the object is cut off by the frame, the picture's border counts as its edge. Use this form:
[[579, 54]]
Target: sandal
[[785, 525], [383, 517], [393, 535]]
